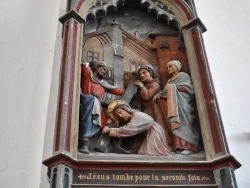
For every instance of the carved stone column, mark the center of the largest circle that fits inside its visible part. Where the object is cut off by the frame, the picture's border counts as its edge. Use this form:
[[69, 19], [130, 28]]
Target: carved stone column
[[213, 134], [61, 176], [68, 102]]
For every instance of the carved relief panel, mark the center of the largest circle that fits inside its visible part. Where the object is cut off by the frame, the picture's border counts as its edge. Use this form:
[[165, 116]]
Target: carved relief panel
[[125, 36]]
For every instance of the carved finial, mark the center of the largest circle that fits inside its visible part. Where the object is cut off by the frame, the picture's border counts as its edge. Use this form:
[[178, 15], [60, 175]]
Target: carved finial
[[115, 22], [137, 34]]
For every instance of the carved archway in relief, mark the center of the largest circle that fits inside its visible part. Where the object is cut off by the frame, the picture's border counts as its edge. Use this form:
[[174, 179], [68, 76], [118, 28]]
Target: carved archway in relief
[[176, 13], [162, 10], [188, 29]]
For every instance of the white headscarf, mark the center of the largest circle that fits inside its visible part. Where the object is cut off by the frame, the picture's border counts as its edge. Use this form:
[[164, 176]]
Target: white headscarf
[[176, 63]]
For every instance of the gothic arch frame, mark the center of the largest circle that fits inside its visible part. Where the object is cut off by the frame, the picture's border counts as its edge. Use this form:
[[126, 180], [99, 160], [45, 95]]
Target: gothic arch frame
[[191, 29]]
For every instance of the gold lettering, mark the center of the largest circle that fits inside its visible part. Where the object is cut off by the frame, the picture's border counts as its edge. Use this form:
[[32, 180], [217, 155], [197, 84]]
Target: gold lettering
[[142, 178], [174, 178], [94, 176], [107, 177], [204, 178], [129, 177], [137, 178], [193, 177], [82, 176], [154, 177], [100, 177], [89, 177], [189, 177], [121, 177], [183, 178]]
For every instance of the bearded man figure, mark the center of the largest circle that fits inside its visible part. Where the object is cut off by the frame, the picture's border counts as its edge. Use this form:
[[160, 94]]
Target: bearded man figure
[[131, 122], [92, 117]]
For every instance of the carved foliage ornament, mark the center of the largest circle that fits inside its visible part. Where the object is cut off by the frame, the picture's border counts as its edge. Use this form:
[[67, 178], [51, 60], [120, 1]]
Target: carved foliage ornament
[[156, 6]]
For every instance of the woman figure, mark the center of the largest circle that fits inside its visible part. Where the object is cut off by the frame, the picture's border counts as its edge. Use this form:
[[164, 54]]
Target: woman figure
[[177, 97]]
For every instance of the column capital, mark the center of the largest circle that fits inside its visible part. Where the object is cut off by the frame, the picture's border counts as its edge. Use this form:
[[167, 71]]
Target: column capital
[[194, 22], [71, 14]]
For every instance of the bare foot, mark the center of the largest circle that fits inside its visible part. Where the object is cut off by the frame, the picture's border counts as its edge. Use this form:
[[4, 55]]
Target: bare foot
[[186, 152]]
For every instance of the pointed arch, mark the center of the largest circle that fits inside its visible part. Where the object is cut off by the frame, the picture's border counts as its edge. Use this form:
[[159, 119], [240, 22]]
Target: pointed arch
[[179, 7], [191, 29], [65, 144]]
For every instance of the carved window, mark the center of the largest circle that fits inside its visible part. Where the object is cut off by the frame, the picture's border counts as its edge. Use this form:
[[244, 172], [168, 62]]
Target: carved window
[[133, 65], [93, 56], [54, 178], [110, 73]]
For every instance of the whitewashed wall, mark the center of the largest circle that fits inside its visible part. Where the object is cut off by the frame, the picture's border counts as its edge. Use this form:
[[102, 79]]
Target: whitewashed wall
[[30, 52], [27, 44], [227, 43]]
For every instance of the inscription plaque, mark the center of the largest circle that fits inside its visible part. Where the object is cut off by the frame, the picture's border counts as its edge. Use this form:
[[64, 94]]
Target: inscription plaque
[[142, 177]]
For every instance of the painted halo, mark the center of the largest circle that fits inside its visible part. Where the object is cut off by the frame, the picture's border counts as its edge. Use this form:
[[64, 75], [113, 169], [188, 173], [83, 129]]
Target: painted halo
[[113, 105]]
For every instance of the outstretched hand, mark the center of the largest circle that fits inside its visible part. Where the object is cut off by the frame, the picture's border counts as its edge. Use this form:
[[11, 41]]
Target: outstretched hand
[[109, 121], [156, 97], [138, 83], [86, 64], [105, 129]]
